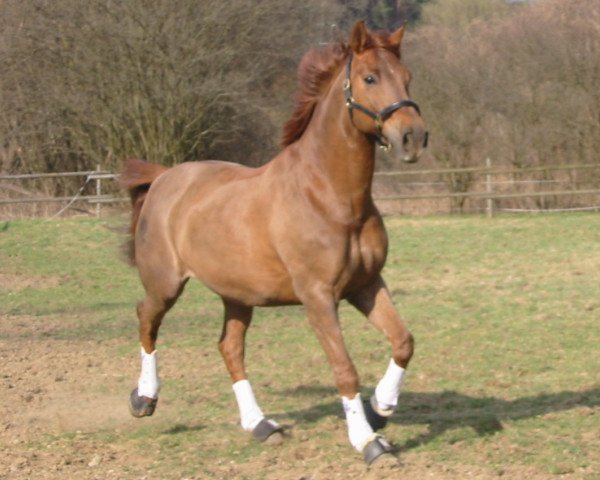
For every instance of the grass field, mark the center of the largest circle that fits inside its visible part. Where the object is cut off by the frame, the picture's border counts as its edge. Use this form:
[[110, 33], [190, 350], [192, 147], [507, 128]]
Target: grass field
[[505, 381]]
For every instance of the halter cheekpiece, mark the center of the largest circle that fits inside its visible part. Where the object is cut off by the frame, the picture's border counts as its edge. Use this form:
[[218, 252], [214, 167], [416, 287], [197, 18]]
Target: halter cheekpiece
[[379, 117]]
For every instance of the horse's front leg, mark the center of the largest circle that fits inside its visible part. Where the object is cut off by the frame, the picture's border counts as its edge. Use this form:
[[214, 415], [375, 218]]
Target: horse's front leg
[[236, 323], [323, 317], [375, 302]]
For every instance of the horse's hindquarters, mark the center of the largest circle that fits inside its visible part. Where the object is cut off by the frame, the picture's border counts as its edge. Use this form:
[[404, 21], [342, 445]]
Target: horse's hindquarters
[[210, 220]]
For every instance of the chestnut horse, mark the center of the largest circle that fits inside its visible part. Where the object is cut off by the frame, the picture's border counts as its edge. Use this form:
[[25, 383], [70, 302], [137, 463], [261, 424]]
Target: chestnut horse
[[301, 229]]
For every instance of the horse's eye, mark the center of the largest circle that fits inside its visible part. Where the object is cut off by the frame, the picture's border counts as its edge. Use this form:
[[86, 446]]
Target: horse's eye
[[370, 80]]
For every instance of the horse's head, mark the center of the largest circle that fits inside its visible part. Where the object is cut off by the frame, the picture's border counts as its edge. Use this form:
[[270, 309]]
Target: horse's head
[[376, 90]]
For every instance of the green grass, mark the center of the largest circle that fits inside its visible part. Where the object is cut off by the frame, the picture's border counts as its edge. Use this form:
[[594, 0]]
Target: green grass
[[505, 313]]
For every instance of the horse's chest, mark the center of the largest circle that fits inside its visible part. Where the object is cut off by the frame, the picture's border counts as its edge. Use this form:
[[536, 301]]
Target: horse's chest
[[366, 254]]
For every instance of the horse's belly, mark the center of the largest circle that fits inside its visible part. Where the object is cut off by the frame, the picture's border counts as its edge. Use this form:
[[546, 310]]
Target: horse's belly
[[236, 261], [249, 285]]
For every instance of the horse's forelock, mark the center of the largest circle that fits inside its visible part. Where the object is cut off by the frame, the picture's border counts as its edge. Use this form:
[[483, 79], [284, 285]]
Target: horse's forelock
[[383, 39]]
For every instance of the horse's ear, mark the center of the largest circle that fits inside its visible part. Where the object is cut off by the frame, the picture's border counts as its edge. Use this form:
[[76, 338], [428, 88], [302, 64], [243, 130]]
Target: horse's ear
[[360, 38], [395, 38]]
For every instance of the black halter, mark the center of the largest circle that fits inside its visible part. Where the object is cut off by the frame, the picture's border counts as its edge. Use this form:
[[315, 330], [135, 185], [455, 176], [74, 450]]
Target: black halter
[[380, 116]]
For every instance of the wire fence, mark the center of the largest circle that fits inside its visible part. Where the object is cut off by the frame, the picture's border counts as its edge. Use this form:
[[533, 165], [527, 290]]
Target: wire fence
[[486, 189], [88, 194]]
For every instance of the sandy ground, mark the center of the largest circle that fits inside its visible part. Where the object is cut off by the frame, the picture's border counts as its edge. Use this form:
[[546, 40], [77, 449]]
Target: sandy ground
[[49, 420]]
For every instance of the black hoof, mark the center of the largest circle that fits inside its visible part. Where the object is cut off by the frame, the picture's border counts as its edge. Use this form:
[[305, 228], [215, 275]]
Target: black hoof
[[376, 421], [267, 430], [375, 449], [141, 406]]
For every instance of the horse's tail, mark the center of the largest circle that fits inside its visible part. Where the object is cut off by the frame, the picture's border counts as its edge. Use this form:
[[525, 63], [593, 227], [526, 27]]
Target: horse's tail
[[136, 177]]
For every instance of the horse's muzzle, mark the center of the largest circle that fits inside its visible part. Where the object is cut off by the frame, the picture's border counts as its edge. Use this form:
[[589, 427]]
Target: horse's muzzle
[[410, 143]]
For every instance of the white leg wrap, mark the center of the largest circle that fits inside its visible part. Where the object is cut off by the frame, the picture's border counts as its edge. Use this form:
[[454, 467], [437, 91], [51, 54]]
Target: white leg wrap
[[148, 384], [359, 431], [388, 388], [250, 412]]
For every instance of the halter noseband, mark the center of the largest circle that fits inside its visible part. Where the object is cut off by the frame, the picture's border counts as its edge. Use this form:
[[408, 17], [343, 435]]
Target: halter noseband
[[380, 116]]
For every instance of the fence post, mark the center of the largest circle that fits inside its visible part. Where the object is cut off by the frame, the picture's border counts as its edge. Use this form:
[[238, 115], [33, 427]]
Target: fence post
[[488, 188], [98, 191]]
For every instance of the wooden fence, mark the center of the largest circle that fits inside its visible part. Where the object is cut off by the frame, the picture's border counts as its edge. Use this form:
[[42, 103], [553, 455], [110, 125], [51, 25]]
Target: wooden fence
[[494, 189], [486, 185]]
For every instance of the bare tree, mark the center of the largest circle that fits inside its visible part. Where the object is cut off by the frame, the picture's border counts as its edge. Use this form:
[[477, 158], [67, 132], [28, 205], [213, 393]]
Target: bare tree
[[88, 83]]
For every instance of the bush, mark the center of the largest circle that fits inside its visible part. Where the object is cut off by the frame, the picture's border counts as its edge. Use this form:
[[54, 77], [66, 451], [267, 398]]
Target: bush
[[87, 83], [519, 86]]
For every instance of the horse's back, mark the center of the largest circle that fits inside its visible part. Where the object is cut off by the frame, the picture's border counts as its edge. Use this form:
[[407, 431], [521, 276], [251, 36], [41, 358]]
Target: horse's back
[[189, 180]]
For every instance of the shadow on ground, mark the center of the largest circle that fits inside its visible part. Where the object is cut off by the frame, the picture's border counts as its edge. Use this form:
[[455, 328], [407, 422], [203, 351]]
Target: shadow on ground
[[447, 410]]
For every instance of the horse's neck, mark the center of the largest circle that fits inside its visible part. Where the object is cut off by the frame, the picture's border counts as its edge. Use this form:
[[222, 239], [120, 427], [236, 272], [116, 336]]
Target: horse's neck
[[344, 157]]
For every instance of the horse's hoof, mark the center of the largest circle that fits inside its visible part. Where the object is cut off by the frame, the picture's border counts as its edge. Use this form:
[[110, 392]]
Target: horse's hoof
[[276, 438], [384, 463], [141, 406], [269, 432], [378, 451], [376, 420]]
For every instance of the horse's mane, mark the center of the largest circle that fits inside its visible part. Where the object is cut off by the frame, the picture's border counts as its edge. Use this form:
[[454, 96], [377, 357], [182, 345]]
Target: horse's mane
[[315, 72]]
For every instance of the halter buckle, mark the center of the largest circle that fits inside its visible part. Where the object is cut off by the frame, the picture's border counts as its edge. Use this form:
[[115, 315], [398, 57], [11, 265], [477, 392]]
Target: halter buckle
[[384, 144]]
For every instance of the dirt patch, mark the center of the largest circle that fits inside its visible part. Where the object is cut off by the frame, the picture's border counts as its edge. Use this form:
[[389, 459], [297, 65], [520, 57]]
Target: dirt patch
[[50, 403], [15, 283]]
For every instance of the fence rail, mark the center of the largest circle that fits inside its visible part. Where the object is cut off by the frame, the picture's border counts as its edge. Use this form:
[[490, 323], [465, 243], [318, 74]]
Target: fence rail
[[87, 198], [490, 188], [488, 195], [490, 170], [35, 176]]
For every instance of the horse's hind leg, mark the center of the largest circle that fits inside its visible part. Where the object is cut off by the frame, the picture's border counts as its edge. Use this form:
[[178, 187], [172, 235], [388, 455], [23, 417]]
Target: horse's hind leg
[[159, 299], [375, 302], [236, 323]]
